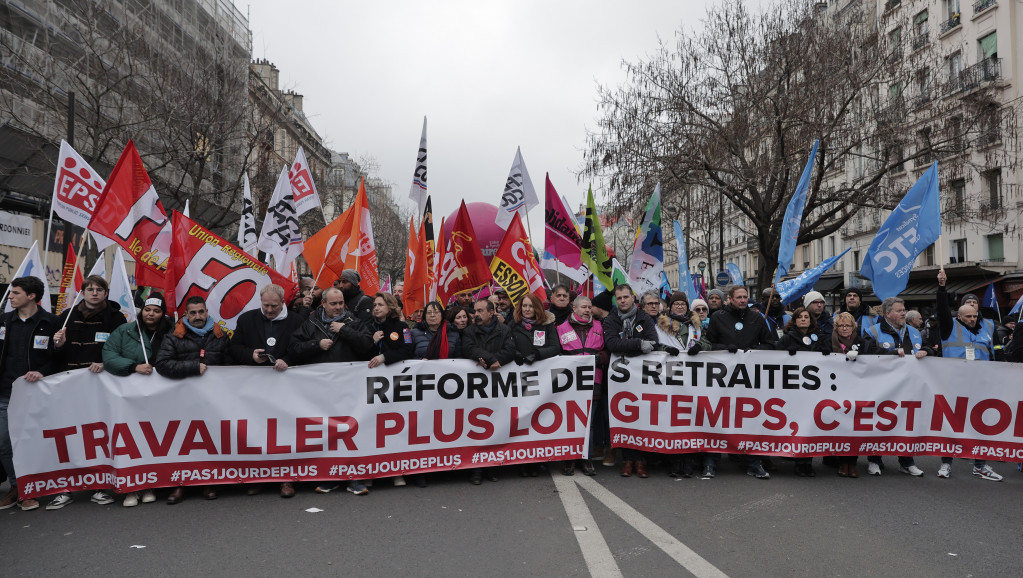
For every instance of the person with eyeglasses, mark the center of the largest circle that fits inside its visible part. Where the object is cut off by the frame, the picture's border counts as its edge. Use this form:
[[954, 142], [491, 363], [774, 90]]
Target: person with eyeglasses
[[964, 337], [847, 340], [79, 345], [814, 303]]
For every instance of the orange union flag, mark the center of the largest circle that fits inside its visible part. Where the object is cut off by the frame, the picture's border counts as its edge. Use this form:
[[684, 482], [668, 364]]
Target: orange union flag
[[204, 264], [514, 266], [463, 267]]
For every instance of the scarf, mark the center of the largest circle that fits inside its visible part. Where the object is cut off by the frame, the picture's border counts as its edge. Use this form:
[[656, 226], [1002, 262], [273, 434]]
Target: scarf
[[628, 321], [201, 331], [489, 327], [839, 344], [528, 323]]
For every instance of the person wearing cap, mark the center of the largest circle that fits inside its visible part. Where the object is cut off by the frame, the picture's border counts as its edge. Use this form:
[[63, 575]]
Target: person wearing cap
[[504, 307], [715, 300], [360, 304], [964, 337], [852, 303], [972, 300], [814, 303], [131, 349]]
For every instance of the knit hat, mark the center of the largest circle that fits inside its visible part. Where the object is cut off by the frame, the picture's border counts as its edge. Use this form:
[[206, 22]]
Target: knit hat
[[855, 290], [968, 297], [678, 296], [351, 276], [811, 297], [699, 302], [718, 292]]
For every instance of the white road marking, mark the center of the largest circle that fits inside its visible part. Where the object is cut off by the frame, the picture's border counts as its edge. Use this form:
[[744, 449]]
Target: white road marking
[[678, 551], [599, 560]]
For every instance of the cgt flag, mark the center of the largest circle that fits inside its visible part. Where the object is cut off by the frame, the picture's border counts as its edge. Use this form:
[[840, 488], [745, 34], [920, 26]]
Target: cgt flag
[[206, 265], [647, 261], [914, 225], [514, 265], [463, 266], [130, 213]]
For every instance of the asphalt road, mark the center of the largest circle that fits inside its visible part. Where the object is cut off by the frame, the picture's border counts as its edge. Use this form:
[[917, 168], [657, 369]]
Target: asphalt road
[[733, 525]]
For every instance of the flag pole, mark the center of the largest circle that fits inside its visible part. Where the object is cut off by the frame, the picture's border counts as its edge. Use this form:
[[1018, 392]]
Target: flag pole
[[941, 253], [141, 340], [78, 257]]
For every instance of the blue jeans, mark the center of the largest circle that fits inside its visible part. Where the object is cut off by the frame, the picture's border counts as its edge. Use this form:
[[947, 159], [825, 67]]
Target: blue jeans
[[6, 450]]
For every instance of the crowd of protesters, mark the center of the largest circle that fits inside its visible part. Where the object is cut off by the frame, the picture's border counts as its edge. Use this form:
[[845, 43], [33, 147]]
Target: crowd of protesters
[[342, 324]]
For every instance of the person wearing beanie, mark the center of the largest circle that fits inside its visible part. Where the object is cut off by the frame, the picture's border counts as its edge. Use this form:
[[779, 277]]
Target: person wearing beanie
[[972, 300], [131, 348], [700, 307], [360, 304], [715, 300], [814, 303], [852, 303]]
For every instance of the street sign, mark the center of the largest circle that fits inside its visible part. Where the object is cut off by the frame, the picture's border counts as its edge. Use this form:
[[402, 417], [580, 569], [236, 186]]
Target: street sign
[[723, 278]]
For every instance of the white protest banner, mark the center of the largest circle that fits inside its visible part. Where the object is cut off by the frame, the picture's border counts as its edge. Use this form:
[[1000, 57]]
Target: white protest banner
[[770, 403], [82, 431]]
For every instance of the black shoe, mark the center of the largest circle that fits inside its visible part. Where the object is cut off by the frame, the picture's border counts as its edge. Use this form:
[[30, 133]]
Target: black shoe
[[476, 477], [420, 481], [490, 476], [588, 468], [810, 473]]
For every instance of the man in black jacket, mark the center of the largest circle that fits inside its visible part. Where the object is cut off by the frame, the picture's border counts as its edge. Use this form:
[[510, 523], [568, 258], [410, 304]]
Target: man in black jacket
[[85, 329], [196, 343], [628, 330], [360, 304], [490, 344], [331, 334], [262, 335], [26, 350]]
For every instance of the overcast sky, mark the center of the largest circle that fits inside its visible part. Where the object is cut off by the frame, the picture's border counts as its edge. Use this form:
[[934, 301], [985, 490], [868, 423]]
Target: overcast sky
[[489, 76]]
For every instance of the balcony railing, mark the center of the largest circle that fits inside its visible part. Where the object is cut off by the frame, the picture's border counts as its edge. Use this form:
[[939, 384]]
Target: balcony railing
[[989, 137], [987, 70], [982, 5], [920, 40], [951, 23]]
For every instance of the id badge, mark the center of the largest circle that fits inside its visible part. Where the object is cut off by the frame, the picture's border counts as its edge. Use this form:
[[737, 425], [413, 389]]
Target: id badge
[[40, 342], [101, 337], [971, 353]]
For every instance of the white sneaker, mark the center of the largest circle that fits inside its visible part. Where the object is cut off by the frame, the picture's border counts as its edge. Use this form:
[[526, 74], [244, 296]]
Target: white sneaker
[[911, 470], [60, 501], [148, 497], [399, 481], [873, 469], [102, 498], [131, 500], [986, 473], [944, 470]]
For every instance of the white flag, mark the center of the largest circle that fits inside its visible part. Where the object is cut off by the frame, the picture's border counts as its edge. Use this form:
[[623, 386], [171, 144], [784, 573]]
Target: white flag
[[418, 191], [33, 266], [303, 189], [519, 195], [120, 288], [247, 226], [281, 236], [185, 211], [77, 187]]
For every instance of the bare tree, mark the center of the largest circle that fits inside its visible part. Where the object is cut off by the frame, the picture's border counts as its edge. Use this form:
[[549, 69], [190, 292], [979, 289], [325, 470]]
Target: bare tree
[[732, 111]]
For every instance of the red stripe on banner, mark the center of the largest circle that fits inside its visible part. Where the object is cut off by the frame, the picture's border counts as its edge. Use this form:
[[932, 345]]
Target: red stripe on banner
[[212, 472], [814, 446]]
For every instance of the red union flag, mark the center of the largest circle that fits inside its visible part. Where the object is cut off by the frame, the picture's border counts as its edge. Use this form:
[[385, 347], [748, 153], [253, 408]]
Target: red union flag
[[70, 281], [302, 187], [77, 188], [514, 266], [463, 267], [130, 213], [206, 265]]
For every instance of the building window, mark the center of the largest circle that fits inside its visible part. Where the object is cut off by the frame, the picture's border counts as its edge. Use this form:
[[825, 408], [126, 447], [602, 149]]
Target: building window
[[993, 188], [988, 46], [958, 187], [995, 247], [856, 260], [929, 255], [831, 246], [958, 251], [920, 28]]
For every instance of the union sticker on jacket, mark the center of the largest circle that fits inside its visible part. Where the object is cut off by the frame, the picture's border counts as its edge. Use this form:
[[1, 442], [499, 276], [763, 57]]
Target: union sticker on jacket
[[569, 337], [408, 335], [539, 338], [40, 342]]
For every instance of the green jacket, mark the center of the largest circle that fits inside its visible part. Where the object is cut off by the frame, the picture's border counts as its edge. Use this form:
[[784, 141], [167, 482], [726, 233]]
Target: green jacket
[[123, 349]]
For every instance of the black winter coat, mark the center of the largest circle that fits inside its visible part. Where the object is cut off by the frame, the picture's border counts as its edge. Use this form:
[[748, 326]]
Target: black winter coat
[[754, 334], [498, 345], [42, 324], [645, 329], [396, 344], [793, 339], [252, 332], [179, 353], [86, 336], [353, 343], [546, 334]]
